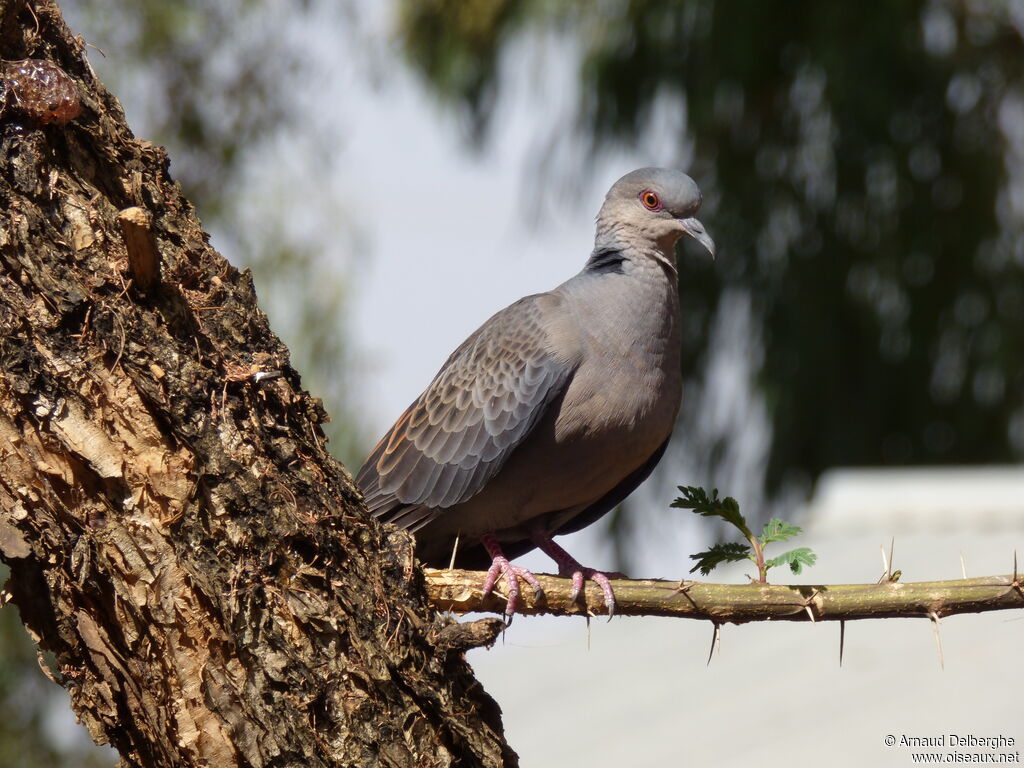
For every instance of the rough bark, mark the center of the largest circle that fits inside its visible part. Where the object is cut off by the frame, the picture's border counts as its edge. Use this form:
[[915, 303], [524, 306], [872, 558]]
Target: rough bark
[[178, 536]]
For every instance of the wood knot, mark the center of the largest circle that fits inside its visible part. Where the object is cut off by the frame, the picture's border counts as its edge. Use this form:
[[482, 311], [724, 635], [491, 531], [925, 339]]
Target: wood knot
[[140, 242], [459, 638]]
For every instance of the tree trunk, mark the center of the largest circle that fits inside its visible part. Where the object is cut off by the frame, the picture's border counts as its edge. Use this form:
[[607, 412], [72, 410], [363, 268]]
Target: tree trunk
[[178, 536]]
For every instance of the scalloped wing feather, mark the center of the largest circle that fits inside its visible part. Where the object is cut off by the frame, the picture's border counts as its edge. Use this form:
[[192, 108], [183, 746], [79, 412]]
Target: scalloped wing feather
[[485, 400]]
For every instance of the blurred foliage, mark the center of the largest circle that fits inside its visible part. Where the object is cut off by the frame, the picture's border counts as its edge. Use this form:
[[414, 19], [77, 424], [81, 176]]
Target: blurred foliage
[[205, 78], [863, 167], [455, 44]]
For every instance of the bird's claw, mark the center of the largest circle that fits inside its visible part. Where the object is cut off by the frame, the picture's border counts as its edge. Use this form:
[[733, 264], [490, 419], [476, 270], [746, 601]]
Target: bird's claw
[[599, 578], [500, 565], [569, 566]]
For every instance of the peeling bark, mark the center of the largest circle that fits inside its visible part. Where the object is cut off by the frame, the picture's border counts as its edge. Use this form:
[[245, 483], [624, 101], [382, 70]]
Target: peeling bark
[[178, 535]]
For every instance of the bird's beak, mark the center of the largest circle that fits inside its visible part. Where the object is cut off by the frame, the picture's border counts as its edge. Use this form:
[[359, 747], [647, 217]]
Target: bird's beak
[[696, 230]]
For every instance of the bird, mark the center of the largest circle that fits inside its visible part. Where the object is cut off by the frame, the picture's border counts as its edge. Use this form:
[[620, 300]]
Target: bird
[[555, 409]]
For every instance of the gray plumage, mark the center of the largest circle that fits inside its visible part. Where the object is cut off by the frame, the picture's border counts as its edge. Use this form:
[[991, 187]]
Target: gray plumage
[[559, 405]]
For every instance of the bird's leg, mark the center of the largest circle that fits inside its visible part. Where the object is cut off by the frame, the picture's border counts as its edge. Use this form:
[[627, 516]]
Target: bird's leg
[[500, 564], [570, 566]]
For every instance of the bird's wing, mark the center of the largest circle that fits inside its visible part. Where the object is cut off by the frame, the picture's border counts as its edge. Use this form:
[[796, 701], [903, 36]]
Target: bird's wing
[[483, 402]]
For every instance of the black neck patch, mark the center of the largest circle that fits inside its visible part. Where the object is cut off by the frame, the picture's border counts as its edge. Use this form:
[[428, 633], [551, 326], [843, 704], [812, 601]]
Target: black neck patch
[[605, 260]]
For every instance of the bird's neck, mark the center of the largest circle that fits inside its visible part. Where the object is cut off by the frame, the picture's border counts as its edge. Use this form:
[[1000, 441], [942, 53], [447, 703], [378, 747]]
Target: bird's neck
[[615, 245], [625, 302], [639, 277]]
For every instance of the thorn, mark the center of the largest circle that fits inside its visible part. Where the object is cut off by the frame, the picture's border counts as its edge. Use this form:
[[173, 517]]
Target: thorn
[[807, 606], [455, 548], [887, 563], [963, 565], [1016, 583], [938, 640], [684, 590], [716, 640], [842, 639]]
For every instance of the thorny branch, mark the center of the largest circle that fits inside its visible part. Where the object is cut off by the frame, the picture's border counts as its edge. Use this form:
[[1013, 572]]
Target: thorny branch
[[459, 591]]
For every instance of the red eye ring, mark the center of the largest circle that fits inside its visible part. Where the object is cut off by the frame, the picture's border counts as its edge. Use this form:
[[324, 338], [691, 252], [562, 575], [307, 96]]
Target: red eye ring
[[650, 200]]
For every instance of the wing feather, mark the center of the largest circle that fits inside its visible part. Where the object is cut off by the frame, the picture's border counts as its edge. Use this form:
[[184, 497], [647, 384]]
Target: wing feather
[[485, 400]]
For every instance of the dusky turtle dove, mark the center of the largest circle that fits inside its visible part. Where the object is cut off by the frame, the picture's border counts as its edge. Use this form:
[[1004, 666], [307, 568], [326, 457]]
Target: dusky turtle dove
[[555, 409]]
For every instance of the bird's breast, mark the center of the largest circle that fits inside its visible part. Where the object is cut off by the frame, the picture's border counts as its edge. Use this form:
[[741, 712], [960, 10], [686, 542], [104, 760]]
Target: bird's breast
[[628, 409], [622, 401]]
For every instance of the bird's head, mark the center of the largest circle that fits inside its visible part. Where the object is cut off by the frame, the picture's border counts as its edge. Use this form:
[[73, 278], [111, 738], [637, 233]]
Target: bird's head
[[652, 207]]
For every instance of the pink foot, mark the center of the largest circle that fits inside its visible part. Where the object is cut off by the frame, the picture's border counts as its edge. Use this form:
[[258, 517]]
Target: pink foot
[[500, 565], [570, 566]]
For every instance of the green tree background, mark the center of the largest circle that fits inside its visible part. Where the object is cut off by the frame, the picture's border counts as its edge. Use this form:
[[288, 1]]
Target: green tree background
[[862, 167]]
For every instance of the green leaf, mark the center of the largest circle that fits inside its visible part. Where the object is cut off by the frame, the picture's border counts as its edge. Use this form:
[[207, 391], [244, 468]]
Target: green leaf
[[729, 552], [727, 509], [778, 530], [695, 498], [796, 559]]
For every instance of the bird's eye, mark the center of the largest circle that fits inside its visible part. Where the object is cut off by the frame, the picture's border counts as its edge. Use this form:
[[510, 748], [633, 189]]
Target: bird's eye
[[650, 200]]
